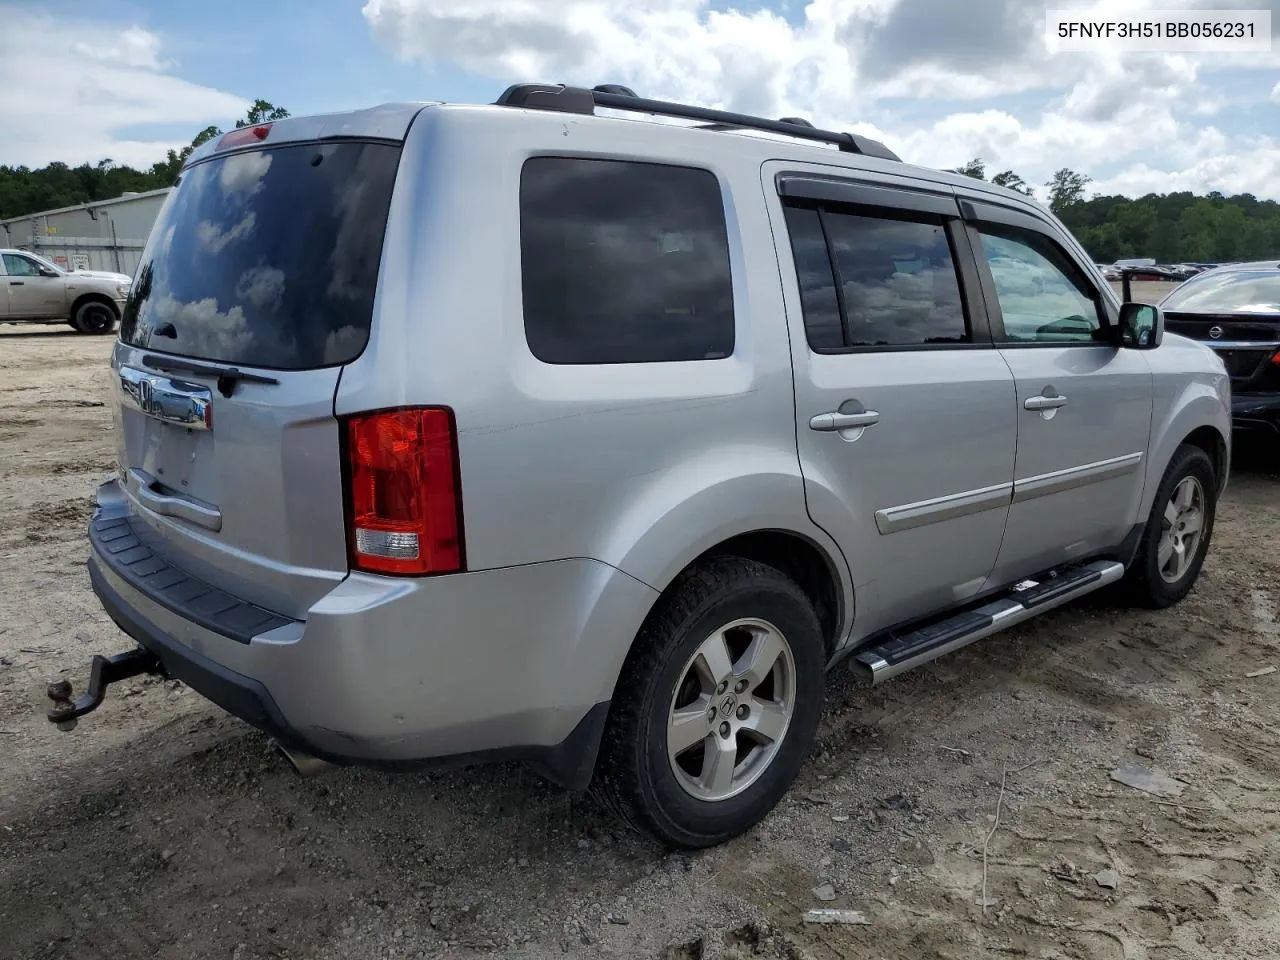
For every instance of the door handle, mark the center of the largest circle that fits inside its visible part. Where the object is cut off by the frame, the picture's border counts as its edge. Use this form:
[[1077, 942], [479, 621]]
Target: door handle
[[831, 422], [16, 283], [1044, 403]]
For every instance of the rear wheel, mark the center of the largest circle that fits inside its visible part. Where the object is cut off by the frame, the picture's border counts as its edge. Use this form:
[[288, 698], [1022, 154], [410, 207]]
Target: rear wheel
[[94, 317], [1178, 531], [716, 706]]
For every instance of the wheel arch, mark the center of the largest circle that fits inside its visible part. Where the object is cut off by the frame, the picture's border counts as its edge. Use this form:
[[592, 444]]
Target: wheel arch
[[1197, 417], [93, 296], [759, 516]]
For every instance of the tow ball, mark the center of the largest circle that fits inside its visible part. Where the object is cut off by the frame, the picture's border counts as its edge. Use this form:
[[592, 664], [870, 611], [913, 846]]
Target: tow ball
[[66, 713]]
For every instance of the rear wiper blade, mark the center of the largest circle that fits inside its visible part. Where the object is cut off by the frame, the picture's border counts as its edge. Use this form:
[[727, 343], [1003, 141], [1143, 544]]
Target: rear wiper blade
[[228, 377]]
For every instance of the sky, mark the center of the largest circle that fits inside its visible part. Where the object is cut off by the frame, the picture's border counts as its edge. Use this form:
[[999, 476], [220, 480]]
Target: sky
[[939, 81]]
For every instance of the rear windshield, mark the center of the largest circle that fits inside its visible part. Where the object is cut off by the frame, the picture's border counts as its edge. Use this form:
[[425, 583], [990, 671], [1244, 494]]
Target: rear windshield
[[1230, 292], [267, 258]]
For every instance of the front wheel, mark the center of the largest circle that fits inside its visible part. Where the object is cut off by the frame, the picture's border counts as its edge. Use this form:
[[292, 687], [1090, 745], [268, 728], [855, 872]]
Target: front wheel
[[716, 706], [1177, 533], [94, 317]]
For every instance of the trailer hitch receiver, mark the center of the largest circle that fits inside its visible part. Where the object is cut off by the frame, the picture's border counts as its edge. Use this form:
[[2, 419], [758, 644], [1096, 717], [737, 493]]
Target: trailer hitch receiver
[[66, 712]]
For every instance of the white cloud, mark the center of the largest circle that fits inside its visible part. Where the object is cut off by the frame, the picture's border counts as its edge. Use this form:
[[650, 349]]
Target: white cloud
[[841, 60], [72, 85]]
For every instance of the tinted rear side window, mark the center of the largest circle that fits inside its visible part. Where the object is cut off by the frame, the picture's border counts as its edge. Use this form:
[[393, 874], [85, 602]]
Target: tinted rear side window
[[267, 258], [898, 280], [822, 323], [623, 262]]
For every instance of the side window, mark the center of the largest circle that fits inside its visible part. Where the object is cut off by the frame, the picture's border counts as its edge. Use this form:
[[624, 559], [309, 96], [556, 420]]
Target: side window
[[817, 282], [1042, 297], [17, 266], [623, 262]]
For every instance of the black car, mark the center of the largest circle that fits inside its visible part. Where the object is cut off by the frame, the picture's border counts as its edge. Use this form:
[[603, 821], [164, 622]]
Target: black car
[[1235, 310]]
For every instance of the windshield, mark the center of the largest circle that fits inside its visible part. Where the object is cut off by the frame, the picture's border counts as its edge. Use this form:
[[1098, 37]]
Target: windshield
[[1243, 291], [267, 258]]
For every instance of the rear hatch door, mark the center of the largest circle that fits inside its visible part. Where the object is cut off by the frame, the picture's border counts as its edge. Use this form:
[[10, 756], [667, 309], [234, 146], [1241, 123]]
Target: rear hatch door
[[256, 287]]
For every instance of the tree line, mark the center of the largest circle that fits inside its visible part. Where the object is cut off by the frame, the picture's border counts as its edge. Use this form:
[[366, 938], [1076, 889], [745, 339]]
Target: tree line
[[1168, 227], [24, 191]]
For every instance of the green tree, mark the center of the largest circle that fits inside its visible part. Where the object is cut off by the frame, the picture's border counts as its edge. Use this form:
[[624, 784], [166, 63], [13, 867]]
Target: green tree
[[1066, 188], [262, 111], [974, 168], [24, 191], [1007, 178]]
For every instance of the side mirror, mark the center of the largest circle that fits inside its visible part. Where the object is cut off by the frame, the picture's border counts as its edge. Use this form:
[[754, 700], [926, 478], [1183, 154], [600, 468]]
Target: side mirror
[[46, 272], [1141, 326]]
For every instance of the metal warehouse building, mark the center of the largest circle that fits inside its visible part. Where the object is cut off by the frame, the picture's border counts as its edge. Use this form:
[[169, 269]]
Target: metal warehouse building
[[101, 235]]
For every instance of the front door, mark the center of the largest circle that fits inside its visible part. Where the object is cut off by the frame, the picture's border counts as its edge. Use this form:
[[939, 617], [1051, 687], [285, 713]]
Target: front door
[[32, 295], [1083, 404], [905, 411]]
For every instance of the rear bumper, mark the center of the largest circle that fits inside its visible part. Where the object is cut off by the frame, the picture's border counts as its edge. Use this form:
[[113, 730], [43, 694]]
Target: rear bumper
[[506, 664], [1256, 412]]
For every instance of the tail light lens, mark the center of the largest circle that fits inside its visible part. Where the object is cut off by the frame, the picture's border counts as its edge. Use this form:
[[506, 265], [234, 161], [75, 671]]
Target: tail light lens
[[403, 495]]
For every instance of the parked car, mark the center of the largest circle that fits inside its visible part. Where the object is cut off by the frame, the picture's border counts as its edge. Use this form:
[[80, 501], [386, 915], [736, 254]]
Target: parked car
[[1235, 311], [454, 432], [38, 291]]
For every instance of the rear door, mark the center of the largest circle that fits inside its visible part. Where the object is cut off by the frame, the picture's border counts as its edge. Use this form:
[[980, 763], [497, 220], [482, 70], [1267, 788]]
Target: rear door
[[256, 287], [32, 295], [905, 411], [1083, 404]]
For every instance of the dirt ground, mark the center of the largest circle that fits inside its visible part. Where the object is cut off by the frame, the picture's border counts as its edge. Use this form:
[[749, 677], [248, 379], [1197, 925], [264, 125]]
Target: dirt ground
[[162, 828]]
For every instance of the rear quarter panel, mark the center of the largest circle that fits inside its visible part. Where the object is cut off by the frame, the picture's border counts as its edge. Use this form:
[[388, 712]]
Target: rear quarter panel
[[641, 466]]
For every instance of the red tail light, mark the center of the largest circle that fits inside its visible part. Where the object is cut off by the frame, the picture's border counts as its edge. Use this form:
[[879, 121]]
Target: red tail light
[[1275, 358], [404, 498]]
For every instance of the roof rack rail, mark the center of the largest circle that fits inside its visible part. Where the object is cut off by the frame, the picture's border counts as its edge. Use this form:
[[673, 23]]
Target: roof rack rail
[[565, 99]]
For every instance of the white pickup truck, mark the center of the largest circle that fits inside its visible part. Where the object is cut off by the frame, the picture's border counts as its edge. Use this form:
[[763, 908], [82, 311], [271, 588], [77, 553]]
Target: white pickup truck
[[35, 290]]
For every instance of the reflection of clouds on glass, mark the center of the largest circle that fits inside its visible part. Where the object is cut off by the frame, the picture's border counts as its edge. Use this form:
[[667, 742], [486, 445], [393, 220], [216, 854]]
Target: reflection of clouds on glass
[[905, 308], [203, 329], [353, 244], [241, 174], [344, 343], [269, 258], [214, 239], [261, 286], [165, 243]]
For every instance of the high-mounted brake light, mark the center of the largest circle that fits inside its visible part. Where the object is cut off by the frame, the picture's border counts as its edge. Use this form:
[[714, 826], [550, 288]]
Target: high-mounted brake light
[[242, 135], [404, 499]]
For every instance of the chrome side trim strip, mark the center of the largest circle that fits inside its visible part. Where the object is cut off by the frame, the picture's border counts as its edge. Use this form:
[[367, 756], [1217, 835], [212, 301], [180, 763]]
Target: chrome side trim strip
[[1047, 484], [912, 515]]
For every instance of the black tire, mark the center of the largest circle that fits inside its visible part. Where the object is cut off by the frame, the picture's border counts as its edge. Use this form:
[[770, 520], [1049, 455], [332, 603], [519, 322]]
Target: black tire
[[634, 776], [95, 317], [1144, 584]]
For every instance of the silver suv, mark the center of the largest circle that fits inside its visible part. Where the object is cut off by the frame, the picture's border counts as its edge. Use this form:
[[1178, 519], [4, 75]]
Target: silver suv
[[456, 432]]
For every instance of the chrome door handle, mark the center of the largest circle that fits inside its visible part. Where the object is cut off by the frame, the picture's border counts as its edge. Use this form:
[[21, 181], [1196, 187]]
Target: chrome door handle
[[831, 422], [1044, 403]]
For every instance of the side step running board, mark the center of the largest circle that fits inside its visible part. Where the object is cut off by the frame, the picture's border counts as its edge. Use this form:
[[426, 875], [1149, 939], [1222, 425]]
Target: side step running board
[[901, 652]]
